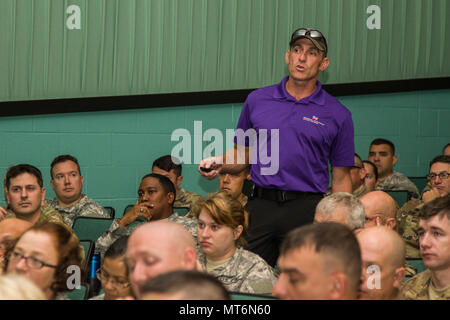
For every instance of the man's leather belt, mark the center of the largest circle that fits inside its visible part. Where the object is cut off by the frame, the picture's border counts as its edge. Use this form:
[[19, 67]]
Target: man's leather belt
[[278, 195]]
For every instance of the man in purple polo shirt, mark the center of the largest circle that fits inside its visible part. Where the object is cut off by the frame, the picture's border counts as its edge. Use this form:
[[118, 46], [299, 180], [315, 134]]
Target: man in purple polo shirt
[[304, 128]]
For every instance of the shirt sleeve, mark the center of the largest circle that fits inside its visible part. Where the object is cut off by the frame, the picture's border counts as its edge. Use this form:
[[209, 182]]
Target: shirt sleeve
[[244, 123]]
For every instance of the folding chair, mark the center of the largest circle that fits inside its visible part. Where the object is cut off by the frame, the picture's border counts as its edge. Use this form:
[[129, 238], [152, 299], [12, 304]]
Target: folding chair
[[111, 211], [400, 196], [420, 182], [88, 228]]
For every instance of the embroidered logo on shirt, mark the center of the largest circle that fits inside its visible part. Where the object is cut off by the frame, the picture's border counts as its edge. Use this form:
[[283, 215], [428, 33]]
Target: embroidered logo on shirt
[[313, 120]]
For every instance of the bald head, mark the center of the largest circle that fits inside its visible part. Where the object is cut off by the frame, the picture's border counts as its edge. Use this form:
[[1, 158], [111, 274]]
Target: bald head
[[383, 251], [158, 247], [11, 229], [384, 240], [380, 209]]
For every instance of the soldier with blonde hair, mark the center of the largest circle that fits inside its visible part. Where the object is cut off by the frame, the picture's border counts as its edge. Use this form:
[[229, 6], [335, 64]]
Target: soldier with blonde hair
[[222, 222]]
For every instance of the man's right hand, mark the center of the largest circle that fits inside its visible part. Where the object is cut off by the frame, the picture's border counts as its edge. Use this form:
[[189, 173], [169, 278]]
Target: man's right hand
[[142, 209], [210, 163]]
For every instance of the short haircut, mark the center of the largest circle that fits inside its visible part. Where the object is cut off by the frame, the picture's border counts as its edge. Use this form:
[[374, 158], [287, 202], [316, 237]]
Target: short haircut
[[373, 166], [329, 238], [379, 141], [439, 206], [440, 158], [19, 169], [165, 182], [224, 210], [168, 163], [64, 158], [354, 208], [118, 248], [190, 284]]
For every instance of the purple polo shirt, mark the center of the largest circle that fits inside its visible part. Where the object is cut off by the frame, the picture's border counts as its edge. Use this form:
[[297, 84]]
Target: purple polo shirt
[[312, 132]]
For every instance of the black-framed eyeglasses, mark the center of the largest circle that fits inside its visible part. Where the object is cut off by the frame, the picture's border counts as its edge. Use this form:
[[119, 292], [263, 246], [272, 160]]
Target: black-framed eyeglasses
[[315, 34], [104, 276], [32, 262], [441, 175]]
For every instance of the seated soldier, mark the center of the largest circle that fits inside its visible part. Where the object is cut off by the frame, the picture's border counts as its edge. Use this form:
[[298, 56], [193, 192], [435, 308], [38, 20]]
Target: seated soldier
[[25, 192], [383, 259], [158, 247], [67, 182], [319, 261], [183, 285], [222, 221], [156, 196], [357, 177], [381, 210], [170, 167], [407, 216], [341, 207], [371, 178], [434, 241], [113, 273], [232, 184], [382, 154]]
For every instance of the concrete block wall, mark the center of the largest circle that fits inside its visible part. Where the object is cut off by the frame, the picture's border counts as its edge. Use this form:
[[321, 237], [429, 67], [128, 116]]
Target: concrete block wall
[[116, 148]]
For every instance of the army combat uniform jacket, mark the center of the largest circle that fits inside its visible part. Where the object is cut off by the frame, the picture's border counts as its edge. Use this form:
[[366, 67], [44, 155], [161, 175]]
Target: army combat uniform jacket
[[408, 226], [245, 272], [418, 288], [86, 207], [398, 181]]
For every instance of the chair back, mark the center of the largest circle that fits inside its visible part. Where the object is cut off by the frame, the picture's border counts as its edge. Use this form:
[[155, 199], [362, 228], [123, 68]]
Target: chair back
[[88, 228], [81, 293], [420, 182], [400, 196]]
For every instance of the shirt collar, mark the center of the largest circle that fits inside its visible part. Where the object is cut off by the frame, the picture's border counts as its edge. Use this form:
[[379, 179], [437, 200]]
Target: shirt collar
[[317, 97]]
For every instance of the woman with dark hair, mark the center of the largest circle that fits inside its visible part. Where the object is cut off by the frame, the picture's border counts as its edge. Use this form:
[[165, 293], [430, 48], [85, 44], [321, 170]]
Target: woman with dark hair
[[114, 272], [44, 254], [222, 222]]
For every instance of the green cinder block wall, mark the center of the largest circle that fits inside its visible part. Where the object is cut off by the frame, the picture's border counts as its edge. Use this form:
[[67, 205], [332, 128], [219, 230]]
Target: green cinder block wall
[[116, 148]]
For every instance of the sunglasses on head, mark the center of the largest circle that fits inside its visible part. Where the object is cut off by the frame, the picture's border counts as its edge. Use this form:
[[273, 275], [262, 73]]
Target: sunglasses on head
[[315, 34]]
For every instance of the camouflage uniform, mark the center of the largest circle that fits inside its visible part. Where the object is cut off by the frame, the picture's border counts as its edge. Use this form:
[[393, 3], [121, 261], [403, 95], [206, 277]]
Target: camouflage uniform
[[185, 199], [417, 288], [398, 181], [245, 272], [116, 231], [359, 192], [408, 225], [85, 207], [47, 214]]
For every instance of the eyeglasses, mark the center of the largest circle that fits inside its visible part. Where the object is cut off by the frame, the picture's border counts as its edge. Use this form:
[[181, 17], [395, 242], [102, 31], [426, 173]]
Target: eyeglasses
[[105, 277], [315, 34], [441, 175], [355, 167], [32, 262]]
